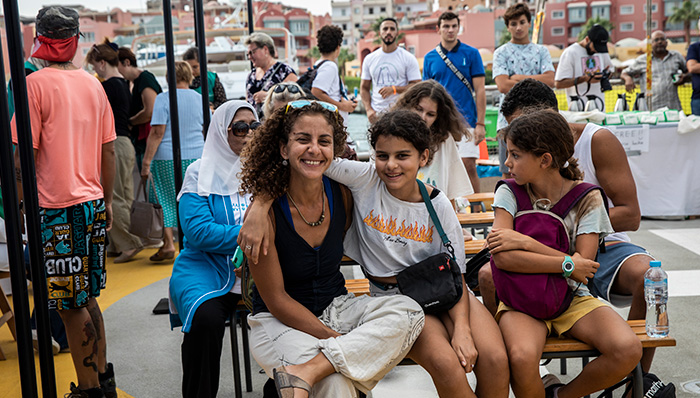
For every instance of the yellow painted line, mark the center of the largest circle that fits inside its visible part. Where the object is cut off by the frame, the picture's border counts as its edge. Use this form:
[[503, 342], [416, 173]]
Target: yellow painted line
[[122, 280]]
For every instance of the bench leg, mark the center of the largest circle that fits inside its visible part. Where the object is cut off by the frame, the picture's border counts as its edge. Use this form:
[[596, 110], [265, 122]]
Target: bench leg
[[562, 366], [235, 357], [246, 352], [637, 382]]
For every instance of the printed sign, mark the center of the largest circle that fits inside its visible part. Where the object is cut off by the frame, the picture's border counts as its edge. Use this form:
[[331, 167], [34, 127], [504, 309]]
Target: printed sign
[[633, 138]]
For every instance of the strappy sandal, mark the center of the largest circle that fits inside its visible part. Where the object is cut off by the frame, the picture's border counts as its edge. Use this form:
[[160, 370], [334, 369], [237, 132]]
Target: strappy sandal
[[285, 383]]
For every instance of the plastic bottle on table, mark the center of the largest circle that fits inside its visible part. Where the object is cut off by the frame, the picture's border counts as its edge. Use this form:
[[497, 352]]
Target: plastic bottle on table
[[656, 295]]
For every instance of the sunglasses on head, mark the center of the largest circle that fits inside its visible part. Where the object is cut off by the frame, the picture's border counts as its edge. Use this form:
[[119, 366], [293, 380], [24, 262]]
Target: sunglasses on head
[[302, 103], [242, 129], [292, 88]]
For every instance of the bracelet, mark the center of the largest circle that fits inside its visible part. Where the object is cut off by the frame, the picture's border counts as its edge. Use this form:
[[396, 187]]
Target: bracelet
[[480, 124], [394, 87]]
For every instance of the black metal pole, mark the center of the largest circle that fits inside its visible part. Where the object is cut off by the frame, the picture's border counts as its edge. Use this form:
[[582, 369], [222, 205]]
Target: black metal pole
[[201, 40], [174, 116], [31, 201], [251, 28], [20, 297]]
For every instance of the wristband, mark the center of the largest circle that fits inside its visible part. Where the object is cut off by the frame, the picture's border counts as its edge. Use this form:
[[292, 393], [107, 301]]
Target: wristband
[[480, 124], [394, 87]]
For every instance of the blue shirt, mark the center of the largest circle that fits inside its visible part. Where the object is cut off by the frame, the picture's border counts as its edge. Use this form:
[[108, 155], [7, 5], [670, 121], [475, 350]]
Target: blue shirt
[[189, 109], [694, 53], [203, 269], [468, 61]]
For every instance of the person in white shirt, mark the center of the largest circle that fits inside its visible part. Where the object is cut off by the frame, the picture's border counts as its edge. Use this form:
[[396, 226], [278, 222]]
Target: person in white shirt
[[581, 67], [388, 71], [327, 86]]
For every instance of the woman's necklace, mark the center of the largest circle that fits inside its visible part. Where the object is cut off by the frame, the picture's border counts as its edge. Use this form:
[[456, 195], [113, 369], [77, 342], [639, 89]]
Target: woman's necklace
[[323, 209]]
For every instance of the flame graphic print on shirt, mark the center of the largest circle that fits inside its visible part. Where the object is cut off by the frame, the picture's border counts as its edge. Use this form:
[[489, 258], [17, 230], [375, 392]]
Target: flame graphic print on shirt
[[390, 226]]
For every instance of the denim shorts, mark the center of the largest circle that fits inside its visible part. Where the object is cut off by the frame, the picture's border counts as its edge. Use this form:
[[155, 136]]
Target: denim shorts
[[74, 253], [616, 253]]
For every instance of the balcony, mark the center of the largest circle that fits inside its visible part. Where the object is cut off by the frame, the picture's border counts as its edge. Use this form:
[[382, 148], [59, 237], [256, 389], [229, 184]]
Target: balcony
[[577, 12]]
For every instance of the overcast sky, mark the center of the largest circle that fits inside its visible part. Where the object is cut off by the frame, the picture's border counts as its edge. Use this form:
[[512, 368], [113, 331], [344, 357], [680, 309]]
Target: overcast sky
[[30, 7]]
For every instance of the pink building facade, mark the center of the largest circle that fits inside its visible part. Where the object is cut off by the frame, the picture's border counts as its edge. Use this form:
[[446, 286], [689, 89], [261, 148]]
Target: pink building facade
[[477, 31], [564, 20]]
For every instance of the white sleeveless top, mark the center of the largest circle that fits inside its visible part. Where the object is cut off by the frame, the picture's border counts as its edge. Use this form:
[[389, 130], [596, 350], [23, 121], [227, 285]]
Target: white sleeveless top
[[582, 151]]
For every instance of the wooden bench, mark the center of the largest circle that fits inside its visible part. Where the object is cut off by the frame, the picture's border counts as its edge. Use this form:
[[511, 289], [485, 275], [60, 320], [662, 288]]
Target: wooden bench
[[485, 199], [482, 221], [562, 348]]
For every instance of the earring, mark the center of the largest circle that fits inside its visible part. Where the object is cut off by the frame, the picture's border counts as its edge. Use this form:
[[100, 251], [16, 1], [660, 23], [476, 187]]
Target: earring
[[284, 162]]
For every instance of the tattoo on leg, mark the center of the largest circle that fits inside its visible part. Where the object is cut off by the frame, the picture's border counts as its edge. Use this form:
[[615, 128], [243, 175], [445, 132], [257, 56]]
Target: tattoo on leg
[[90, 340], [96, 317]]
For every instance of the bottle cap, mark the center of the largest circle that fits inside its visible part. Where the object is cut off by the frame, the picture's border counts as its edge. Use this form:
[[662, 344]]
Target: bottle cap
[[655, 263]]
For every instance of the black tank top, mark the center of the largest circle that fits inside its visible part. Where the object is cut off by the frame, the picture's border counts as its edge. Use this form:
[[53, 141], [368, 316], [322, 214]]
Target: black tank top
[[311, 276]]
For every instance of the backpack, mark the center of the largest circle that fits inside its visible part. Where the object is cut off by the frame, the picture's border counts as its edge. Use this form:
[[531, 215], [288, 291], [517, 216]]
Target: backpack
[[546, 295], [306, 80]]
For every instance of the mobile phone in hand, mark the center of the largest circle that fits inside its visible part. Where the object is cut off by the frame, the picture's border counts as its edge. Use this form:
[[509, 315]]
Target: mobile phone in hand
[[238, 258]]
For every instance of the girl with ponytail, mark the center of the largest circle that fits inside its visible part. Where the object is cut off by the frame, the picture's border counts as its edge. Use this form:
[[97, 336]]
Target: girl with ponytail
[[540, 149]]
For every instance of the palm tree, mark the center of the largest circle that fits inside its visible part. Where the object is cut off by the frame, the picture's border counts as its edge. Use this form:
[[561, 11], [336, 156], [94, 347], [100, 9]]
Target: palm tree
[[688, 12], [343, 57], [595, 21]]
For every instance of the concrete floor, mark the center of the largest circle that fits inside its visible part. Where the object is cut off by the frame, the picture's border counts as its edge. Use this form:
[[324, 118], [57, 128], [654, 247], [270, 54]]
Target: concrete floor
[[146, 353]]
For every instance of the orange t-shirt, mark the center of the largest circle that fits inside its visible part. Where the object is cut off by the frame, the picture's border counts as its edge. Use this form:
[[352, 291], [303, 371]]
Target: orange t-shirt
[[71, 119]]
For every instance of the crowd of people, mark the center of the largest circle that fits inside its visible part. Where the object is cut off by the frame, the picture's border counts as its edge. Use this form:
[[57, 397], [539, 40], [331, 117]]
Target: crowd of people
[[273, 158]]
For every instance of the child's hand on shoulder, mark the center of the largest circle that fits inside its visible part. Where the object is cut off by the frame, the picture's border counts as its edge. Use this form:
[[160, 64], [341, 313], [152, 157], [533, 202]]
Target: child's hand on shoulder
[[505, 239], [584, 268]]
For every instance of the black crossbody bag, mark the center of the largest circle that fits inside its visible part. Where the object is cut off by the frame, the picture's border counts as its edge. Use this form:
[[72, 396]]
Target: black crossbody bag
[[436, 282]]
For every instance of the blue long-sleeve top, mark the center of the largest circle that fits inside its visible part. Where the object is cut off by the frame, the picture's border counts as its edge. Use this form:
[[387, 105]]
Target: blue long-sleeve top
[[203, 270]]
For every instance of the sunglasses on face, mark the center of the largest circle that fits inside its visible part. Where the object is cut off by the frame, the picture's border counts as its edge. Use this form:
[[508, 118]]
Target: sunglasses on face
[[242, 129], [292, 88], [302, 103]]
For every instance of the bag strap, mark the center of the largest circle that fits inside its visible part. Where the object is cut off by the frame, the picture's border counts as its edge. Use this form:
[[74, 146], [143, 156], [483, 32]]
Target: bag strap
[[271, 75], [431, 210], [318, 65], [143, 187], [571, 198], [521, 196], [456, 71]]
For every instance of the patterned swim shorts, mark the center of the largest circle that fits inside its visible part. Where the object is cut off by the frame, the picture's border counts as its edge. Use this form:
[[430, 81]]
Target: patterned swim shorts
[[74, 253]]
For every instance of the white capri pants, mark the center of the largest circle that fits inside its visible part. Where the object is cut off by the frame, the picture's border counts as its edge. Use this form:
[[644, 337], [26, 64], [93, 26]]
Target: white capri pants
[[377, 333]]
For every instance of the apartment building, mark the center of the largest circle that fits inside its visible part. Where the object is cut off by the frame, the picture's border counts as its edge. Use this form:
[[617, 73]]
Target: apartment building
[[564, 20]]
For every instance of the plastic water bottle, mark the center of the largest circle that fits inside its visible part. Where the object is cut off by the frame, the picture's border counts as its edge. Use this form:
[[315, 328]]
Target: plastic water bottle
[[656, 295]]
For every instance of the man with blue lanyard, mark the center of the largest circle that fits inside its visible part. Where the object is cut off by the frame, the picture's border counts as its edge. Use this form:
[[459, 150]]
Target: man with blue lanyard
[[458, 67]]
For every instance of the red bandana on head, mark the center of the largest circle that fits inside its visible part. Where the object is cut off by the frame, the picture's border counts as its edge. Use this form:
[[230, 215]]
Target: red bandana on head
[[55, 50]]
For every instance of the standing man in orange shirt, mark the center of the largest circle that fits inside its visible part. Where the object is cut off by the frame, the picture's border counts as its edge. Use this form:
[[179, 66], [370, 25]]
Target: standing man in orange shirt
[[73, 138]]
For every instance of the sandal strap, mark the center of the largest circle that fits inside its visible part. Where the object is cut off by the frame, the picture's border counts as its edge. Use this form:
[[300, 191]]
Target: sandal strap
[[285, 380]]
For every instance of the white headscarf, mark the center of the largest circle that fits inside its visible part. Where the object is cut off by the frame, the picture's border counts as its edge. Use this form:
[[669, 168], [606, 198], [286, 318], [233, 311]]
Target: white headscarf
[[217, 171]]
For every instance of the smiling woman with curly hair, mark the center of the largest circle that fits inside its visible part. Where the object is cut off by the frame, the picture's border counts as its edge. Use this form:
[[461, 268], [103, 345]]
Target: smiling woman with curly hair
[[301, 308], [263, 172]]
